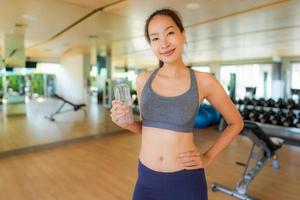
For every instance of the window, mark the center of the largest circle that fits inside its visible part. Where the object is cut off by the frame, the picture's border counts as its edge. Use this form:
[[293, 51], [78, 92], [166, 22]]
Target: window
[[295, 76], [201, 68], [248, 75]]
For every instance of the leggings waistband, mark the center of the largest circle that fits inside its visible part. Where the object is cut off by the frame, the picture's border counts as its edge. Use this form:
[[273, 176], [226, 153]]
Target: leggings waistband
[[175, 174]]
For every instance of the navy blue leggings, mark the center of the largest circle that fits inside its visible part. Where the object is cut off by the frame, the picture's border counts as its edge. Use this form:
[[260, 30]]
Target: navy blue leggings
[[179, 185]]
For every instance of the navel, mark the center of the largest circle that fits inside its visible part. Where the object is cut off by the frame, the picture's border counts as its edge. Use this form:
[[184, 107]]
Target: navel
[[161, 158]]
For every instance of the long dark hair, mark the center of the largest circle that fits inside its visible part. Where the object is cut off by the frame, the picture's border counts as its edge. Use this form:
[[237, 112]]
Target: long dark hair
[[173, 14]]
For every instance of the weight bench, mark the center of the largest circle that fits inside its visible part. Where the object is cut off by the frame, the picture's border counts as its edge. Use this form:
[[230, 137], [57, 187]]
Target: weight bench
[[267, 146], [76, 107]]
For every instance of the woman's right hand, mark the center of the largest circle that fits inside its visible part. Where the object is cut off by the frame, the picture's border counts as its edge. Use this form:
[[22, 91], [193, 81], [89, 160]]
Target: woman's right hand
[[118, 111]]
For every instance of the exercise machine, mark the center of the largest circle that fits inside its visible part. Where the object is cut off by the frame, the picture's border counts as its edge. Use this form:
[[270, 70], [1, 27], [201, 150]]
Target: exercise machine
[[266, 148], [75, 107]]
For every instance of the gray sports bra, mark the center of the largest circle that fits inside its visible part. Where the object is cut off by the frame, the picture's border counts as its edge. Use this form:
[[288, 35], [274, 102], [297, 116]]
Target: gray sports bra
[[174, 113]]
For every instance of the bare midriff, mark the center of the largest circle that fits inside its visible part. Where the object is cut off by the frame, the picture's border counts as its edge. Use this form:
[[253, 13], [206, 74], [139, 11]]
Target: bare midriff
[[161, 147]]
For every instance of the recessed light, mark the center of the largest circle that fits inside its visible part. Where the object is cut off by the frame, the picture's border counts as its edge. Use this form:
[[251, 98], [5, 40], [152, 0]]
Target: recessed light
[[192, 6], [29, 17]]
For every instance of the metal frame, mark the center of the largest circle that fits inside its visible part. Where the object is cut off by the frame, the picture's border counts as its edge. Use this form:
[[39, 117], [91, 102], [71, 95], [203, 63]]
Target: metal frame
[[261, 156]]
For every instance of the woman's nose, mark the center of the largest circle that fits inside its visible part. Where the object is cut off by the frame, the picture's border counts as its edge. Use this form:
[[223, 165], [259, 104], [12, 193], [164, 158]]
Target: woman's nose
[[164, 44]]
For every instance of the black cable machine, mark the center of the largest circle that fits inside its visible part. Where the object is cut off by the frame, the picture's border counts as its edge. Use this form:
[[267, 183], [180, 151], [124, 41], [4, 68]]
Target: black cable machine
[[267, 147], [75, 107]]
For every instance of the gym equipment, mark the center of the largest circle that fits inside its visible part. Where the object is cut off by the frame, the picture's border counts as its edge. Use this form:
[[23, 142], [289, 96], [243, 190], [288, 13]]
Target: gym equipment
[[280, 103], [250, 92], [297, 124], [254, 101], [75, 107], [253, 115], [267, 147], [245, 114], [247, 101], [288, 120], [207, 115], [263, 116], [278, 118], [290, 104], [261, 101], [240, 101], [269, 103]]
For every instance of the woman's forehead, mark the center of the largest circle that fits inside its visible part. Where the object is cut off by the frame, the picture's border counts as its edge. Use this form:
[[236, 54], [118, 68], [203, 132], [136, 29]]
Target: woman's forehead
[[160, 23]]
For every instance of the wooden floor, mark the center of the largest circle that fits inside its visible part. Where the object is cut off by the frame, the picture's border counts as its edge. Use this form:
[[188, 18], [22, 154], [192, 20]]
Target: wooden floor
[[18, 132], [106, 168]]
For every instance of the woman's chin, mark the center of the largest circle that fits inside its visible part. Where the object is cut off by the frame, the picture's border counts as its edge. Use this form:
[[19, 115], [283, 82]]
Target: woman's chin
[[170, 61]]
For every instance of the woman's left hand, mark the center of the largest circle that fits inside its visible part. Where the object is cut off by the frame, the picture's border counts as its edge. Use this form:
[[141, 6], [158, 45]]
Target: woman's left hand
[[193, 159]]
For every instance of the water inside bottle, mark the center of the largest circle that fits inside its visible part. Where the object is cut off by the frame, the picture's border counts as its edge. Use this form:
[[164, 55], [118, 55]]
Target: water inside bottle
[[122, 92]]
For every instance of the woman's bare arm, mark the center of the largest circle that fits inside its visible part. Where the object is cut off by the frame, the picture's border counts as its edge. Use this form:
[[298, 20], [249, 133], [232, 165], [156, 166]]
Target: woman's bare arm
[[136, 127], [219, 99]]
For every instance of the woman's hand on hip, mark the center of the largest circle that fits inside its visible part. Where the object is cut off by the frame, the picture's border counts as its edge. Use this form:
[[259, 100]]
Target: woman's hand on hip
[[193, 159]]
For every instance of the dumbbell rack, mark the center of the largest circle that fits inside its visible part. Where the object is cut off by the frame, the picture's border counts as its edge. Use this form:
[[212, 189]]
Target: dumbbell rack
[[291, 135]]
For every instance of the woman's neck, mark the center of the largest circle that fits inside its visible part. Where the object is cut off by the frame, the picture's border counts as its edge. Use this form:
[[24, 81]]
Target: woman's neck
[[175, 69]]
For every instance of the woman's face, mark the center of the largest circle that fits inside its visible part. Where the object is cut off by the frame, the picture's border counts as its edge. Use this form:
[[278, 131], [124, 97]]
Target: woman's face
[[166, 39]]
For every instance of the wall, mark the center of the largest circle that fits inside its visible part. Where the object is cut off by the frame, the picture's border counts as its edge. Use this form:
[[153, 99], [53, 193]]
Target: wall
[[71, 80]]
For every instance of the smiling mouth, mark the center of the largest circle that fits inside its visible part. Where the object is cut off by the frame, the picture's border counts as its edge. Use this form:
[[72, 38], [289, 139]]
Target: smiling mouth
[[168, 53]]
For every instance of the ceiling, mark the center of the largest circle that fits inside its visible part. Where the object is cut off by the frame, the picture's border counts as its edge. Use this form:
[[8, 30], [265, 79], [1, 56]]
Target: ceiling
[[216, 31]]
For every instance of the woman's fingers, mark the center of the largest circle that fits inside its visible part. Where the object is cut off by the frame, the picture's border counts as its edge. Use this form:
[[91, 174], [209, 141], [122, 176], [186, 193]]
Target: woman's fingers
[[190, 159], [115, 117], [118, 106]]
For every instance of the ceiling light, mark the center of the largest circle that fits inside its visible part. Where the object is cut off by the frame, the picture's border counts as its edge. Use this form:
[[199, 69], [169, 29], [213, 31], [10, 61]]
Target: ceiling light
[[192, 6], [29, 17]]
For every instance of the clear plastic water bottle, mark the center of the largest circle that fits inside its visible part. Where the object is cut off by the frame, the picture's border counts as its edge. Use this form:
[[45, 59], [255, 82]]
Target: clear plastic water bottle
[[122, 93]]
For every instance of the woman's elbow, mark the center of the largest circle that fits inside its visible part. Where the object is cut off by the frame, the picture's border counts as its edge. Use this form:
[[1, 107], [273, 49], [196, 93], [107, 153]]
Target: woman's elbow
[[240, 124]]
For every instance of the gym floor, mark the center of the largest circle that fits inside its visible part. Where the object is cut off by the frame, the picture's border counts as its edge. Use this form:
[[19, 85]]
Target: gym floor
[[32, 130], [106, 168]]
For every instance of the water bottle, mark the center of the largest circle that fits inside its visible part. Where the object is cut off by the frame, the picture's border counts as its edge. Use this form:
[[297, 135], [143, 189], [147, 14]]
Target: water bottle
[[122, 93]]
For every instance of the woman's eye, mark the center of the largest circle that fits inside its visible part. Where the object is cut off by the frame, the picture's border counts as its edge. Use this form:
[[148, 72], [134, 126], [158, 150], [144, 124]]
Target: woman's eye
[[170, 33], [153, 39]]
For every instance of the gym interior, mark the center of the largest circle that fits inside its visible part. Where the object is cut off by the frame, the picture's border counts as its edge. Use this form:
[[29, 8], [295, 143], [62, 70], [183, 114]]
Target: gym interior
[[61, 59]]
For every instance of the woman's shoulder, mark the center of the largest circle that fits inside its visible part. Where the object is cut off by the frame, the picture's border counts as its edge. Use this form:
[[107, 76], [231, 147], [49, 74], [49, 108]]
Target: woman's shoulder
[[142, 78], [205, 81], [203, 77]]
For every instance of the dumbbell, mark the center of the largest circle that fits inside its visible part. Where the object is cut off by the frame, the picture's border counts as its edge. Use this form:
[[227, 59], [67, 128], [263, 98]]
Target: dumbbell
[[288, 121], [263, 117], [269, 103], [297, 124], [297, 105], [245, 113], [290, 104], [247, 101], [272, 115], [261, 101], [253, 115], [280, 103], [278, 118], [254, 102], [240, 101]]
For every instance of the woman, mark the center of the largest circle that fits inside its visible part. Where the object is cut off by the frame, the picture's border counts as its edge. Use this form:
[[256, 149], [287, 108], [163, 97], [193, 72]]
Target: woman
[[170, 166]]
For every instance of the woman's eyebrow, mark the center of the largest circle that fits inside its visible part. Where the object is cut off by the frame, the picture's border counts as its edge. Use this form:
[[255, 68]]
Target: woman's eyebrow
[[164, 30]]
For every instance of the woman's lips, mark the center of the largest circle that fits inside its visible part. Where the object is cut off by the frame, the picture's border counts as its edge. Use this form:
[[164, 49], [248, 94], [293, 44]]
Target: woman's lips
[[168, 53]]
